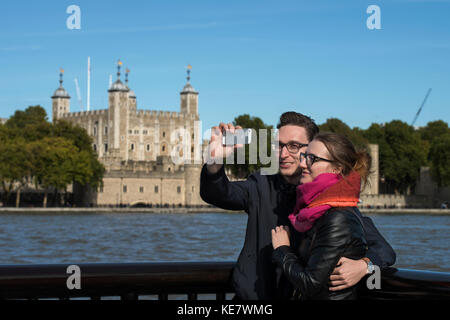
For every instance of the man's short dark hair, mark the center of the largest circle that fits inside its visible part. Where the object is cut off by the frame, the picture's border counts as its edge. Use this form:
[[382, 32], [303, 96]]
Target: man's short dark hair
[[298, 119]]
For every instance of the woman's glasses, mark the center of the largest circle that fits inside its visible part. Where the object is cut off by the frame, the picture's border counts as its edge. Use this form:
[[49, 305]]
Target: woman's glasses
[[311, 158]]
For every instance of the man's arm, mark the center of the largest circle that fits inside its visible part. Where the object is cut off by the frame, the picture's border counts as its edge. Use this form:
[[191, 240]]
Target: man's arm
[[380, 251], [216, 189], [348, 272]]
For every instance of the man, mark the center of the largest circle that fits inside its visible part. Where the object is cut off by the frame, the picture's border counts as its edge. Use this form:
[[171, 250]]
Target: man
[[268, 200]]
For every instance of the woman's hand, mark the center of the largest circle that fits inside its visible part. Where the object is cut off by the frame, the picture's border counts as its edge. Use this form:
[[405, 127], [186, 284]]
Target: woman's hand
[[280, 237]]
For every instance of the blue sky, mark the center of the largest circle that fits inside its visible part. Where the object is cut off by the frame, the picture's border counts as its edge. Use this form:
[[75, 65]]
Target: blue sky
[[257, 57]]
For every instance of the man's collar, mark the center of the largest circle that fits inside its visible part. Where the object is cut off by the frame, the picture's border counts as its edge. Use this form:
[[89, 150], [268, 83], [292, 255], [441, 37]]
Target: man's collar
[[285, 186]]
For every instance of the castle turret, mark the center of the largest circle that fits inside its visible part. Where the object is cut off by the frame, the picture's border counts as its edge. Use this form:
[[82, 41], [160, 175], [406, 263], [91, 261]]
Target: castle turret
[[131, 94], [189, 97], [118, 116], [60, 100]]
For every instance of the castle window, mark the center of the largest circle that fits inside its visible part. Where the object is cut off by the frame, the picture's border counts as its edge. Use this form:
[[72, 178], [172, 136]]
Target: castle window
[[95, 147], [168, 169], [178, 189], [130, 131], [141, 189], [124, 189], [163, 148], [106, 130], [136, 131], [148, 147], [132, 146], [106, 147], [145, 132], [156, 189], [95, 131], [192, 149], [164, 134]]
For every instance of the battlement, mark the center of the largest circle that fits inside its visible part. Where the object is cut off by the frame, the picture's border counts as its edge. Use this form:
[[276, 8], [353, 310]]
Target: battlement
[[80, 114], [160, 114]]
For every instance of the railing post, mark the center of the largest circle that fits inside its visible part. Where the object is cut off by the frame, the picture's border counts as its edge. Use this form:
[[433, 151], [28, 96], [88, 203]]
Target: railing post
[[220, 296], [192, 296], [163, 296], [129, 296]]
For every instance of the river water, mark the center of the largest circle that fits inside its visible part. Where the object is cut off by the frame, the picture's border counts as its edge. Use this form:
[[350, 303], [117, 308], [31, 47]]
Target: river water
[[420, 241]]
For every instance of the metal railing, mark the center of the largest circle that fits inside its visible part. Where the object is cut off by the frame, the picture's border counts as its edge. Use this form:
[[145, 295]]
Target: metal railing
[[132, 281]]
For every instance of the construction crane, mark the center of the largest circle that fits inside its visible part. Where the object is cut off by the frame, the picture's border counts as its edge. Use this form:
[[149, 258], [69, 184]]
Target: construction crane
[[421, 106], [78, 93]]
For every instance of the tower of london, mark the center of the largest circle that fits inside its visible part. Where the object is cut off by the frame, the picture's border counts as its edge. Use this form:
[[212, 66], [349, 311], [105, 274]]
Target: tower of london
[[136, 145]]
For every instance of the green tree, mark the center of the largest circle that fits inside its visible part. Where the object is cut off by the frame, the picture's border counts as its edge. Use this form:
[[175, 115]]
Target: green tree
[[53, 159], [440, 160], [74, 133], [434, 130], [59, 153], [402, 153], [93, 175], [30, 124], [15, 167], [248, 122]]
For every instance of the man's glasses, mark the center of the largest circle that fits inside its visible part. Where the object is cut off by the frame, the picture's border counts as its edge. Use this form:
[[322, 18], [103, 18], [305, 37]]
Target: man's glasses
[[292, 147], [311, 158]]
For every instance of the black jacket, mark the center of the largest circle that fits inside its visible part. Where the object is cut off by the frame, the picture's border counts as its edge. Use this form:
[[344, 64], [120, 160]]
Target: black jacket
[[338, 233], [268, 200]]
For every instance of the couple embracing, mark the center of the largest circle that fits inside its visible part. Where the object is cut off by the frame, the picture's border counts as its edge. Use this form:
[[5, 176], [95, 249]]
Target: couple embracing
[[305, 237]]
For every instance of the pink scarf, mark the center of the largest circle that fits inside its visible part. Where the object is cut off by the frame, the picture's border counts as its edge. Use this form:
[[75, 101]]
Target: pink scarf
[[317, 197]]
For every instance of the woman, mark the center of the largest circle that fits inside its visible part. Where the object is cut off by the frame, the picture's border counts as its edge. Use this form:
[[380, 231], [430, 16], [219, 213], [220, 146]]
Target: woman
[[324, 215]]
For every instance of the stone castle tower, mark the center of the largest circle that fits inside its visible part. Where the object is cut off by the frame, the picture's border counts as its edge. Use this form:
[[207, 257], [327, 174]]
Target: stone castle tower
[[136, 146], [60, 99]]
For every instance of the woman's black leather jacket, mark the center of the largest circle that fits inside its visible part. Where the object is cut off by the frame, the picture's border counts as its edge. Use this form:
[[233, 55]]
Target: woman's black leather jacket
[[338, 233]]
